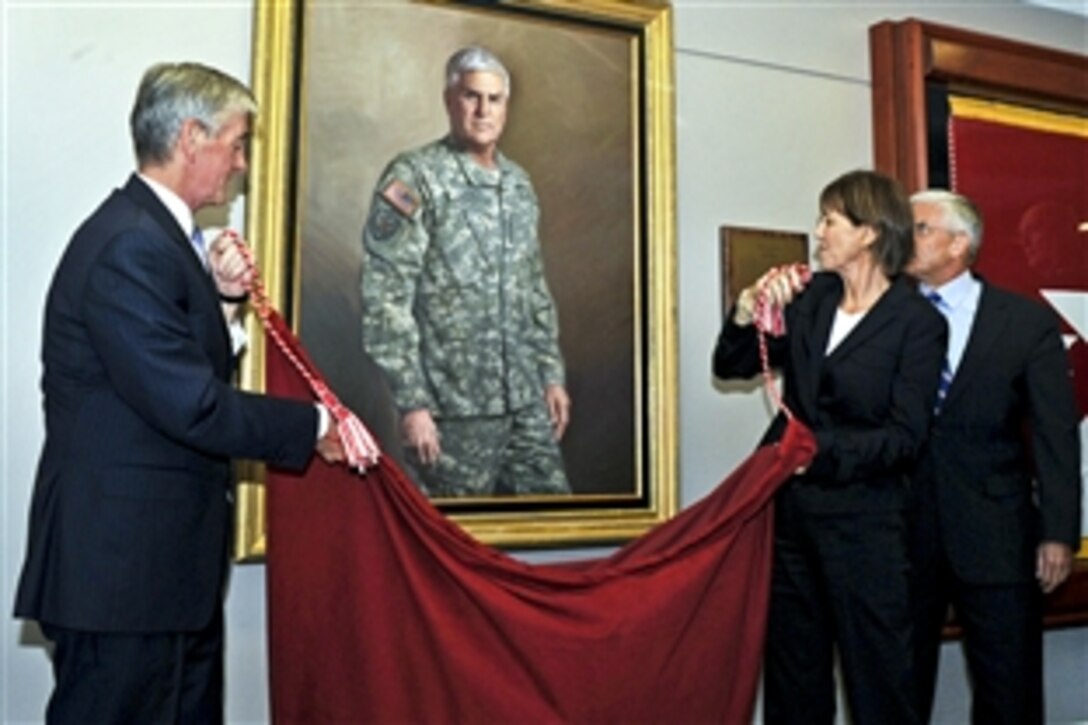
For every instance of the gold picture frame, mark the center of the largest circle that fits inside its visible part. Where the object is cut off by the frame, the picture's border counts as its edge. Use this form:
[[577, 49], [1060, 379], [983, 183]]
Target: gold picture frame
[[289, 202]]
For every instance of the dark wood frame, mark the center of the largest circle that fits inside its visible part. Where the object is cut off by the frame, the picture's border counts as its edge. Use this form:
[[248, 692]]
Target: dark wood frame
[[908, 54]]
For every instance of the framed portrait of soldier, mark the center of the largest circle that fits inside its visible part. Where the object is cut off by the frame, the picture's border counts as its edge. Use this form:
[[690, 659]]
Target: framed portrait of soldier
[[345, 87]]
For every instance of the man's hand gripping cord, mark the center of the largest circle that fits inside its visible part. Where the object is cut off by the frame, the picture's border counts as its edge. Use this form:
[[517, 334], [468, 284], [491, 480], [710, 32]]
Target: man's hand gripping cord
[[360, 448]]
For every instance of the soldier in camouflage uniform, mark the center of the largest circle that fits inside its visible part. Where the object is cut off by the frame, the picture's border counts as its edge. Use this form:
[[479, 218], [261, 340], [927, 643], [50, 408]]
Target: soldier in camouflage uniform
[[456, 310]]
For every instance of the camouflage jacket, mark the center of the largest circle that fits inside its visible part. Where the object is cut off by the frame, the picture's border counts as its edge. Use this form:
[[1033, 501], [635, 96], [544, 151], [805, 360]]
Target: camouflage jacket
[[456, 310]]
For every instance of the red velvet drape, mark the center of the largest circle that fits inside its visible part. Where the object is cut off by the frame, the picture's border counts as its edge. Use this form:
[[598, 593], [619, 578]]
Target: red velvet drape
[[382, 610]]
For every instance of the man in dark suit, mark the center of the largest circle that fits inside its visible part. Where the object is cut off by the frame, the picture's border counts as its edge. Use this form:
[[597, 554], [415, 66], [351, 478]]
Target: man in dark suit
[[998, 490], [130, 519]]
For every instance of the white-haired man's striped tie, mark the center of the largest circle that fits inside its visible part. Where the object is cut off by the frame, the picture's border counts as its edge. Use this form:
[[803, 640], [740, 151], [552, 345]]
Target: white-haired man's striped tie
[[946, 369]]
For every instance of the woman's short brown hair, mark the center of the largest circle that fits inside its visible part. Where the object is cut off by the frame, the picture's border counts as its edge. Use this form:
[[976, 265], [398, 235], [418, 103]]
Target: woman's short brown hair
[[872, 199]]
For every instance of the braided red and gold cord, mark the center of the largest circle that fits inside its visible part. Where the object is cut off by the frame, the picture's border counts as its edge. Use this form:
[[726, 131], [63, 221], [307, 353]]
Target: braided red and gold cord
[[360, 448], [770, 319]]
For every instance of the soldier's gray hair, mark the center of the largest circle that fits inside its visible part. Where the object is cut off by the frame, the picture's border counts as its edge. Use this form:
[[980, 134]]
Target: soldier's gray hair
[[171, 93], [475, 59], [960, 214]]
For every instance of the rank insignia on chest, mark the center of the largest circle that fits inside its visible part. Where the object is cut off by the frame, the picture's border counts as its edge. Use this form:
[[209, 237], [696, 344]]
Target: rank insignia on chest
[[401, 197]]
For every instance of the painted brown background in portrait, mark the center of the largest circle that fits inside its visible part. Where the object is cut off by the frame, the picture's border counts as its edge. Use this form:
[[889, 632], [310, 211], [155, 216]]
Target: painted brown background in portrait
[[373, 78]]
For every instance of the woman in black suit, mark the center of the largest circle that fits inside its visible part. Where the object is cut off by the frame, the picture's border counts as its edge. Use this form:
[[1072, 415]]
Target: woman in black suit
[[860, 361]]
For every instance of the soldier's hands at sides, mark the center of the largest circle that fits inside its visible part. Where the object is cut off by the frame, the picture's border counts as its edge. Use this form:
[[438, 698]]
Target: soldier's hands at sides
[[558, 402], [1053, 564], [420, 432]]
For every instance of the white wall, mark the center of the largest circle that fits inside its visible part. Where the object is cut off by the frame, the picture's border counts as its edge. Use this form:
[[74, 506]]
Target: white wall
[[772, 100]]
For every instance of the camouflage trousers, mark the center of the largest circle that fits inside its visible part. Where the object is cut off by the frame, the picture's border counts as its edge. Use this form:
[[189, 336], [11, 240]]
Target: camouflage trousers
[[493, 455]]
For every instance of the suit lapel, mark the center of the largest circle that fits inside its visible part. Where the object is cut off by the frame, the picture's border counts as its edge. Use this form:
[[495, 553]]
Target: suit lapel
[[881, 314], [812, 331], [145, 198], [816, 329], [140, 193], [986, 329]]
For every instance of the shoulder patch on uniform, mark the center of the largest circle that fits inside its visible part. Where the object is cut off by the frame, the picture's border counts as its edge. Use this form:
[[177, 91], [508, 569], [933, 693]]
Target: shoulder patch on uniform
[[384, 223], [401, 197]]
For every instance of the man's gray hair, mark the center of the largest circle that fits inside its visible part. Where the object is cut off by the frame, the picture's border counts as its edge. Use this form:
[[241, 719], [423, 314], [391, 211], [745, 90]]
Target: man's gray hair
[[170, 93], [959, 214], [475, 59]]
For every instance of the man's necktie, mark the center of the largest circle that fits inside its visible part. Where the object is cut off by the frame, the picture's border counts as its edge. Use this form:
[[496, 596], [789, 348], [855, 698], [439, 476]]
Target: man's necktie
[[198, 245], [946, 369]]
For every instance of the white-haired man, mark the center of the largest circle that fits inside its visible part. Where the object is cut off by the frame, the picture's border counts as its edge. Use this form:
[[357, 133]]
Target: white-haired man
[[998, 487]]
